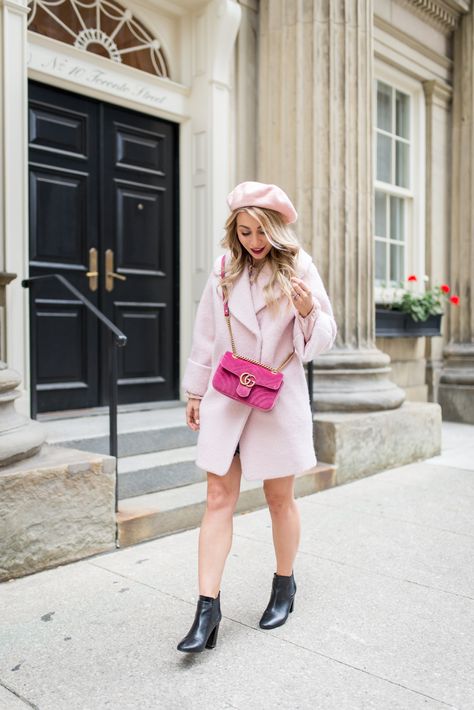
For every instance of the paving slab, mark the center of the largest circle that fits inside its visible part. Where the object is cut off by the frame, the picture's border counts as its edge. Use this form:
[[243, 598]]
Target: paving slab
[[9, 699], [84, 638], [405, 633], [457, 459], [363, 541], [456, 435], [424, 494]]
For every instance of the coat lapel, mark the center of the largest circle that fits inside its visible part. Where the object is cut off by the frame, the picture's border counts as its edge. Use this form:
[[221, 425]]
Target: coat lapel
[[241, 304]]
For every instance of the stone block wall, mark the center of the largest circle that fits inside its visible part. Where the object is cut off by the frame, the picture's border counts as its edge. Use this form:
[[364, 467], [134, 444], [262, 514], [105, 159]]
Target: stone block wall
[[408, 365], [56, 507]]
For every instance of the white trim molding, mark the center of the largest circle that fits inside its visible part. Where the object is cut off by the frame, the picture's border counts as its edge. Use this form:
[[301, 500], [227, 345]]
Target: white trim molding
[[74, 69], [442, 14]]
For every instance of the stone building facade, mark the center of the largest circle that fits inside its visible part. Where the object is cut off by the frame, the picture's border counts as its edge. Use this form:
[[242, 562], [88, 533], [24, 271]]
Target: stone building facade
[[291, 95], [125, 123], [364, 118]]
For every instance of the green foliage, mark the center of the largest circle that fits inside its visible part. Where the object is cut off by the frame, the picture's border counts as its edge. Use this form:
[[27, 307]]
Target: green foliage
[[420, 306]]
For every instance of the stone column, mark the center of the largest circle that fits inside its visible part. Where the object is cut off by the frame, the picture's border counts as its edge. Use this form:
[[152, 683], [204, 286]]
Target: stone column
[[14, 185], [438, 199], [19, 436], [245, 96], [456, 388], [315, 129]]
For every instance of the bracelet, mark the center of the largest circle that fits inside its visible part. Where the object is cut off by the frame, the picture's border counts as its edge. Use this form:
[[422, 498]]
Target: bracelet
[[315, 310]]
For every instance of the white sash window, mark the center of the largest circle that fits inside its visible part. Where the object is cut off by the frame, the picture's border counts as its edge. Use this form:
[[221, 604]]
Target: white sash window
[[398, 186]]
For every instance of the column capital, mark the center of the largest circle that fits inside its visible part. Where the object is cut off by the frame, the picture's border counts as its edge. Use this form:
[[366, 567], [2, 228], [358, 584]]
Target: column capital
[[437, 92], [225, 18]]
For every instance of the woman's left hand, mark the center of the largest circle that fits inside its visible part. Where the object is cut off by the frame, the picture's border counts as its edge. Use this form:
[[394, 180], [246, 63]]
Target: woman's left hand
[[302, 296]]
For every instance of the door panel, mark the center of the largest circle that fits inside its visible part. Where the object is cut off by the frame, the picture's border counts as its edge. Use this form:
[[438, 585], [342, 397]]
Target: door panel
[[63, 184], [60, 199], [104, 178], [139, 217], [53, 128]]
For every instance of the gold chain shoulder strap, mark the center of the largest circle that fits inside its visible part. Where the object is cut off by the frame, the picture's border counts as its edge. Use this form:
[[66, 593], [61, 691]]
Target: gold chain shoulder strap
[[227, 317]]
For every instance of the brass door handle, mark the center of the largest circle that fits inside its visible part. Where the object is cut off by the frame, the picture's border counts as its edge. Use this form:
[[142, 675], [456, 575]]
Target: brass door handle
[[93, 274], [110, 274]]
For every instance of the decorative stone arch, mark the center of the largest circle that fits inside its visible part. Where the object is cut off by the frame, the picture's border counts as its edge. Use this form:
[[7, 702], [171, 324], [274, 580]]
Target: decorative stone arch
[[103, 27]]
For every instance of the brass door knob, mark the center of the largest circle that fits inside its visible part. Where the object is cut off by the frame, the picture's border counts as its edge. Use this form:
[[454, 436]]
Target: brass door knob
[[93, 274], [110, 274]]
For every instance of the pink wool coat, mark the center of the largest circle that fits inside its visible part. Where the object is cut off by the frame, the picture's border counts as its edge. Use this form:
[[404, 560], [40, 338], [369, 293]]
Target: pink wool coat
[[274, 443]]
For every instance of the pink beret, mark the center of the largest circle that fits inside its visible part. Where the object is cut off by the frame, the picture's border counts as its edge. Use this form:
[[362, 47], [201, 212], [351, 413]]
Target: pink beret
[[258, 194]]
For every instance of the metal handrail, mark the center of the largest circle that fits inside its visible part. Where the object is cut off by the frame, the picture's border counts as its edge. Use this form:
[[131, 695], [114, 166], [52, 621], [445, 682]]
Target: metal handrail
[[117, 339], [310, 382]]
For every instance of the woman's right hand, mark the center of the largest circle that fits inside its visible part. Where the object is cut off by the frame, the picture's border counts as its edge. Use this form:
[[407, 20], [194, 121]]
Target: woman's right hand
[[192, 413]]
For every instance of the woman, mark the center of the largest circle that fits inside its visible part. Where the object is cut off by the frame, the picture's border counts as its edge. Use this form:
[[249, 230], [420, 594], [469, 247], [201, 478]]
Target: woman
[[278, 305]]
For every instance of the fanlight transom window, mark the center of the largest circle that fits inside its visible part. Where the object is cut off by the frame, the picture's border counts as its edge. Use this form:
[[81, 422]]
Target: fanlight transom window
[[100, 26]]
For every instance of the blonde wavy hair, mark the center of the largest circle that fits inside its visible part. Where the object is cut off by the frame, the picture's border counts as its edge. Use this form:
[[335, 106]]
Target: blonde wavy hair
[[282, 257]]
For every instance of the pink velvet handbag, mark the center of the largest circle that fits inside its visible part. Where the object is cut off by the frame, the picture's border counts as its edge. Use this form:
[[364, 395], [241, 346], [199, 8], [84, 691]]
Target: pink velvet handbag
[[246, 380]]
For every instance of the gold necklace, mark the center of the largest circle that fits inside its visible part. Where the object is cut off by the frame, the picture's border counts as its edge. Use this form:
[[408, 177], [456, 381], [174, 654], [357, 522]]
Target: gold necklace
[[253, 270]]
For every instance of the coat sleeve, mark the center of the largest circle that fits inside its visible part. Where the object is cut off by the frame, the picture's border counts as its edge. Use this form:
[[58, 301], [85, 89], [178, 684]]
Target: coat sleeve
[[315, 333], [199, 364]]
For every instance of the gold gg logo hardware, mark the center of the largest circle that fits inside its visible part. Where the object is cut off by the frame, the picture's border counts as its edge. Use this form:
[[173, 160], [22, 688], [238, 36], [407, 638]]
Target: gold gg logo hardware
[[247, 379]]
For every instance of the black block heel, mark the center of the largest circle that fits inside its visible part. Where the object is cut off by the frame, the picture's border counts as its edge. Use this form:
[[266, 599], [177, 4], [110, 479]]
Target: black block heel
[[212, 640]]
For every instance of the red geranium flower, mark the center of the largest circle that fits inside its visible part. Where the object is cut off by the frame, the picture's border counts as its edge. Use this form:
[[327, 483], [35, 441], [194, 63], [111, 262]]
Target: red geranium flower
[[455, 300], [412, 277], [445, 288]]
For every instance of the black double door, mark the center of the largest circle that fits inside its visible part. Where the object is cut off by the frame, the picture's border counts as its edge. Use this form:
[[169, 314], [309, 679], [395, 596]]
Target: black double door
[[103, 213]]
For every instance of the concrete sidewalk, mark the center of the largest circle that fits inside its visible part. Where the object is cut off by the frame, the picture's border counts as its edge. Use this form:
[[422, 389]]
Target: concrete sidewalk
[[383, 616]]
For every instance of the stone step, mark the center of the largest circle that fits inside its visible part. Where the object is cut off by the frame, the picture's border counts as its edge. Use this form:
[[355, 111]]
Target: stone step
[[147, 517], [160, 470], [139, 432]]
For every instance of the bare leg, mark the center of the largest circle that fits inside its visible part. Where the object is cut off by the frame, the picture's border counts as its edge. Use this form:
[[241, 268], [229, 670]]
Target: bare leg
[[286, 526], [215, 534]]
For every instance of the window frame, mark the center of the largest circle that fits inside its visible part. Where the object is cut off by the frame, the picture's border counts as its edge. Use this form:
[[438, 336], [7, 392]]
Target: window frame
[[414, 262]]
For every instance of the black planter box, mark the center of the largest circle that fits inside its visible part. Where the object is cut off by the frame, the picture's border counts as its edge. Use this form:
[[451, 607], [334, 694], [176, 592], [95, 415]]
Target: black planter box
[[395, 324]]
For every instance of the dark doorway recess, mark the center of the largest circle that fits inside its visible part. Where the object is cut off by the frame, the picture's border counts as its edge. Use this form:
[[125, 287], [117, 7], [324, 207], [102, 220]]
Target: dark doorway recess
[[103, 185]]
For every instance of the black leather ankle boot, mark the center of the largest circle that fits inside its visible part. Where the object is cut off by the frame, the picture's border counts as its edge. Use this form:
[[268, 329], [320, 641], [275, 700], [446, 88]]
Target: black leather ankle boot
[[203, 632], [281, 601]]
